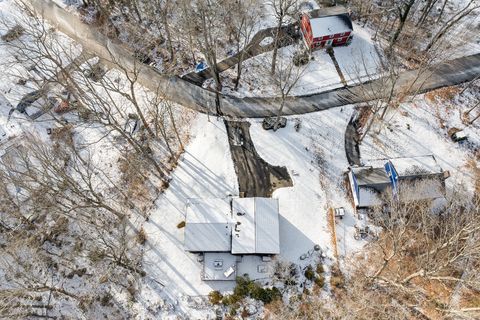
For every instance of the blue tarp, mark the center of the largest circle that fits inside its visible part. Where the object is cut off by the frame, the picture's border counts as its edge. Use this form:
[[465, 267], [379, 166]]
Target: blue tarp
[[392, 174], [200, 66]]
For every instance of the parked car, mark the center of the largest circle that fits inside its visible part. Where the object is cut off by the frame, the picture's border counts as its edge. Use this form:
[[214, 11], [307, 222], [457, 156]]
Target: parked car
[[458, 136], [270, 123], [340, 212]]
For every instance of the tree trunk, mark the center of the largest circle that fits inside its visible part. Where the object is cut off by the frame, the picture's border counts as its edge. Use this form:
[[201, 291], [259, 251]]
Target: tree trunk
[[403, 19], [167, 30], [279, 114], [441, 12], [275, 45]]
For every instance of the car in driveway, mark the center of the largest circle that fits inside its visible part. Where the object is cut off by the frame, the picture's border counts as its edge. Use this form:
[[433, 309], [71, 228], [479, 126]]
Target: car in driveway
[[37, 103], [28, 100], [270, 123]]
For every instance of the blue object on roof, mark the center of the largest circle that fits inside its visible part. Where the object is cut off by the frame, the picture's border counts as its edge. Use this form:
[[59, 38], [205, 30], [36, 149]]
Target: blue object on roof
[[200, 66], [392, 173]]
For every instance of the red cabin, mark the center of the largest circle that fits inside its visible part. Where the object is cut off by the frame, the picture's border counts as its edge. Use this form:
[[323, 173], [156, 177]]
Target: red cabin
[[326, 31]]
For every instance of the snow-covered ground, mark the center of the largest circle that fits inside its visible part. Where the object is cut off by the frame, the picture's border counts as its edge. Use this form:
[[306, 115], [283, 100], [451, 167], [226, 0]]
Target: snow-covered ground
[[462, 39], [315, 159], [173, 275], [420, 128], [360, 60], [356, 61]]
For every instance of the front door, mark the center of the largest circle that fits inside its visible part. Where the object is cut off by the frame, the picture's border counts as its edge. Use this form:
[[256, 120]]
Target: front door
[[329, 43]]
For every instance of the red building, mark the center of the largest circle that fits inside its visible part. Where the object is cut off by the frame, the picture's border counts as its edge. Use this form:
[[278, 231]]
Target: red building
[[326, 31]]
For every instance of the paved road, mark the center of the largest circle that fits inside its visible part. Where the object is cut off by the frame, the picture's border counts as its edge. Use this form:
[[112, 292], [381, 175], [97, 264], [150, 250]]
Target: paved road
[[256, 178], [192, 96], [441, 75]]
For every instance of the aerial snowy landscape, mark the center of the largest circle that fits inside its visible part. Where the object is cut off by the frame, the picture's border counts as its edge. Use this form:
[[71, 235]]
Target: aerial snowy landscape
[[221, 159]]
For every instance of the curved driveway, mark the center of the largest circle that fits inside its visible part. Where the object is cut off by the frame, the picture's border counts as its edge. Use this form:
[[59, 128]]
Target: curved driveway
[[189, 95]]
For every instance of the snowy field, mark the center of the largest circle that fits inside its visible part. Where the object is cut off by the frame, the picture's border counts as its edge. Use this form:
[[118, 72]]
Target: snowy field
[[315, 158], [360, 60]]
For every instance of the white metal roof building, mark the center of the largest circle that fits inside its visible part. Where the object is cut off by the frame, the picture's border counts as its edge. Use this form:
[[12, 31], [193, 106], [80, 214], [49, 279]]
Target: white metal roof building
[[229, 232], [250, 226], [256, 228]]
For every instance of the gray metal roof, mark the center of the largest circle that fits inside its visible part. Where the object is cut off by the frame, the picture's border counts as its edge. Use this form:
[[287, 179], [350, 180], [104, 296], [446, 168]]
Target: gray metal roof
[[243, 233], [251, 227], [368, 176], [208, 225], [204, 237]]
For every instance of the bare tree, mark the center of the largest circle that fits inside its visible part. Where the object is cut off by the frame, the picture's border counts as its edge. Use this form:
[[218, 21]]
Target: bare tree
[[60, 207], [107, 100], [205, 24], [244, 19], [416, 243], [285, 80], [471, 6], [417, 252], [403, 8], [282, 10]]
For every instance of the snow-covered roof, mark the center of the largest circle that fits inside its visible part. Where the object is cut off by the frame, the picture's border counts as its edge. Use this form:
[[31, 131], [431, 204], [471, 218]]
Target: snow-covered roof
[[243, 236], [208, 226], [414, 166], [370, 175], [329, 25], [368, 183], [368, 198], [427, 188], [328, 11], [215, 210], [256, 227]]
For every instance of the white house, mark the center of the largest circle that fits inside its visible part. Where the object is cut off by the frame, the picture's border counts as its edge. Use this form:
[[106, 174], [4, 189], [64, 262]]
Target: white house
[[231, 233]]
